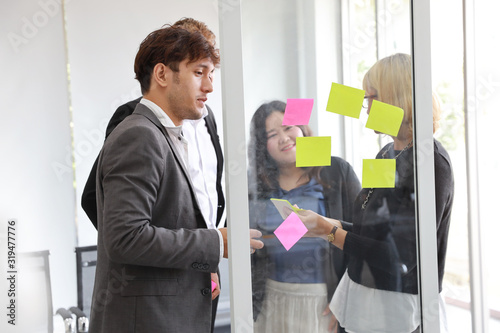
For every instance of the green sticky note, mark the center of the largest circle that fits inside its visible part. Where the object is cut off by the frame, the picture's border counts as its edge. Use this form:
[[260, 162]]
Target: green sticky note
[[313, 151], [385, 118], [281, 204], [345, 100], [379, 173]]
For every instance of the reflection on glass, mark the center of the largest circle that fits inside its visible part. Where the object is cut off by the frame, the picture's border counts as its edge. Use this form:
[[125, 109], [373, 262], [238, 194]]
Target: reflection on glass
[[376, 235], [381, 283], [292, 289]]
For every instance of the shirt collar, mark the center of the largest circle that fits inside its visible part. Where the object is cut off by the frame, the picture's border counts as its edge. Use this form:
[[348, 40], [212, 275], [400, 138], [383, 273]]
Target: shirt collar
[[161, 115], [195, 122]]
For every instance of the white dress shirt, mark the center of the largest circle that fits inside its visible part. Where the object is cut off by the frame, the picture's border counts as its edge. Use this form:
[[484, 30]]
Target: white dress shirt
[[203, 167]]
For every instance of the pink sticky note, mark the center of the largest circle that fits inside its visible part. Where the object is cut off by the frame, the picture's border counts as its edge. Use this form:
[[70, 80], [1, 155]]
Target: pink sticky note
[[298, 111], [214, 285], [290, 231]]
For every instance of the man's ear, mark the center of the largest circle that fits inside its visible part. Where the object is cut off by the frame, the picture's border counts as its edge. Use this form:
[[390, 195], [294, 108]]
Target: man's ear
[[161, 74]]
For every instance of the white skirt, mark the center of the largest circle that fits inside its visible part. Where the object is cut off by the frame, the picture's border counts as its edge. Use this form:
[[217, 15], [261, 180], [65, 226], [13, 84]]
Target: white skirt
[[293, 307]]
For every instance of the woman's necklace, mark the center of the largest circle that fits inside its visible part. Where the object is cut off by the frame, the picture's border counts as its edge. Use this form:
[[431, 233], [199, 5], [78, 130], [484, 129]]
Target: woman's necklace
[[363, 206]]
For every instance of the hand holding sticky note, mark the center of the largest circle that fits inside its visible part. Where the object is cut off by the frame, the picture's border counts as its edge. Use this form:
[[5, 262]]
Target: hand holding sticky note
[[214, 285], [281, 204]]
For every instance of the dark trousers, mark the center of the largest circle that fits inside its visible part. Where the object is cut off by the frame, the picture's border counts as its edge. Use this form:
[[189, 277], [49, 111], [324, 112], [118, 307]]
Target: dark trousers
[[215, 302]]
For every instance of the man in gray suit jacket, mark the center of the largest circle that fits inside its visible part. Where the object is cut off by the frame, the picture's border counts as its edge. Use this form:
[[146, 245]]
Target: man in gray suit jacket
[[155, 253], [206, 161]]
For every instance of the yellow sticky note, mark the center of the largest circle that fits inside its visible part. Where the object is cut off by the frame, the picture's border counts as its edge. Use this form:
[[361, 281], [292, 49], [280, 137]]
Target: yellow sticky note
[[313, 151], [379, 173], [345, 100], [385, 118]]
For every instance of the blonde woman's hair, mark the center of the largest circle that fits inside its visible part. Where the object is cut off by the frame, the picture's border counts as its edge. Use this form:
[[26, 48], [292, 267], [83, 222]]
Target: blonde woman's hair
[[391, 79]]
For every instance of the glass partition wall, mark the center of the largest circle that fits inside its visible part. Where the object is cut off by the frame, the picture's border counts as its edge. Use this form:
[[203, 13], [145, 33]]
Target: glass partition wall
[[325, 58]]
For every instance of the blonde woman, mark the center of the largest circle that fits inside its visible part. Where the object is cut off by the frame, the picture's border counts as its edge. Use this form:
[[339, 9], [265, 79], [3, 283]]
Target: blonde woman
[[379, 291]]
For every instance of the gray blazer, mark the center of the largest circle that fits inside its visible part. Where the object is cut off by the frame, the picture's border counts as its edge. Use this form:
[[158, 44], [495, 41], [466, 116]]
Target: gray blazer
[[155, 253]]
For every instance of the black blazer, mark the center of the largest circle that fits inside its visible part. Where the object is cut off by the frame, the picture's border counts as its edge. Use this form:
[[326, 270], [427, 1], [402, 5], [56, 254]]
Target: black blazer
[[89, 203]]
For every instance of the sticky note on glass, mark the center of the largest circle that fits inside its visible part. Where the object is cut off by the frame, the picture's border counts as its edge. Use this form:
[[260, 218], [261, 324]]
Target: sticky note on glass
[[298, 111], [379, 173], [214, 285], [281, 204], [290, 231], [385, 118], [313, 151], [345, 100]]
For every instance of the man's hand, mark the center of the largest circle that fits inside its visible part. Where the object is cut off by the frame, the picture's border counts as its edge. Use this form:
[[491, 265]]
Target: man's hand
[[255, 244], [216, 291]]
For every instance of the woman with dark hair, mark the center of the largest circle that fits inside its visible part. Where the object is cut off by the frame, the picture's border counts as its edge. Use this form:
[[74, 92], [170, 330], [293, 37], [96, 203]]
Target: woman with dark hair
[[292, 289]]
